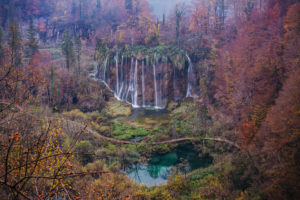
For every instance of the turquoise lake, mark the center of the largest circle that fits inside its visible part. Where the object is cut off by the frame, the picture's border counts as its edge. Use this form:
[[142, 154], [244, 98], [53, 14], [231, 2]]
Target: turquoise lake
[[158, 169]]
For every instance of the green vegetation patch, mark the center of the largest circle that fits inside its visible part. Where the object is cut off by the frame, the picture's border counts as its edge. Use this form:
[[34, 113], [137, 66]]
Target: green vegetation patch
[[121, 131], [161, 53], [117, 108]]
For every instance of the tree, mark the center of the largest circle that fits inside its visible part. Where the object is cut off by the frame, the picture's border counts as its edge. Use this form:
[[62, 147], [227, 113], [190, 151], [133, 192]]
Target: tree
[[31, 45], [1, 47], [82, 9], [67, 48], [179, 13], [43, 31], [15, 44], [199, 21], [128, 4], [52, 89], [78, 47], [153, 36], [164, 19], [4, 11], [99, 4], [280, 138], [220, 13]]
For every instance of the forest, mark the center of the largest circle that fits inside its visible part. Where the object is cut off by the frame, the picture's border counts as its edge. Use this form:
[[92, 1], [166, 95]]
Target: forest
[[150, 99]]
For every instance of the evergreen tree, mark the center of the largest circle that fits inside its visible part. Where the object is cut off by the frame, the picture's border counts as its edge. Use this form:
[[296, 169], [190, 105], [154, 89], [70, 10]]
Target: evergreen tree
[[73, 8], [82, 9], [128, 4], [4, 11], [32, 44], [67, 48], [58, 94], [99, 4], [15, 44], [179, 12], [1, 47], [52, 89], [78, 47]]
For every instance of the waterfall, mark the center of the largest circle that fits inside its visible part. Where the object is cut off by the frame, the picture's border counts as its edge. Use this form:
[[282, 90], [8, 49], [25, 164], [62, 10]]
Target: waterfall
[[130, 82], [104, 70], [105, 64], [143, 83], [125, 82], [122, 81], [57, 36], [135, 88], [174, 83], [192, 82], [130, 89], [155, 82], [117, 90], [101, 73]]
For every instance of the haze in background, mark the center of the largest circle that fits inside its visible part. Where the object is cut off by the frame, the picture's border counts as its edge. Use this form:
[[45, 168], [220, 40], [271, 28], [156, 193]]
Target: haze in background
[[159, 7]]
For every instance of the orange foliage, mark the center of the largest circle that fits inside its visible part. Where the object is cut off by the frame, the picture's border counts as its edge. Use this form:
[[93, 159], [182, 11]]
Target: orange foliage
[[247, 133]]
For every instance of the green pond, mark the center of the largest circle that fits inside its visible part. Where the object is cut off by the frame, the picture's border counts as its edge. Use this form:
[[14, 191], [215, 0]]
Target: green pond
[[157, 170]]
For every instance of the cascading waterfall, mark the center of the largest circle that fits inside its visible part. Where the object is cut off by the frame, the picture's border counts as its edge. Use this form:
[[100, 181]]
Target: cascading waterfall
[[117, 90], [104, 70], [125, 81], [143, 83], [135, 88], [191, 82], [119, 96], [57, 37], [130, 89], [103, 74], [155, 83], [174, 83], [126, 84]]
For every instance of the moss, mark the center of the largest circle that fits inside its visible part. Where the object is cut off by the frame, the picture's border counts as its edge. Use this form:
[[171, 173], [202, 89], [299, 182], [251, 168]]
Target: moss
[[163, 53], [121, 131], [172, 105], [117, 108]]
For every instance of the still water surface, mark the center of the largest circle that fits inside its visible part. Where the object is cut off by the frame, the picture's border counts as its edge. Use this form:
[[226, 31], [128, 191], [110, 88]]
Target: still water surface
[[157, 170]]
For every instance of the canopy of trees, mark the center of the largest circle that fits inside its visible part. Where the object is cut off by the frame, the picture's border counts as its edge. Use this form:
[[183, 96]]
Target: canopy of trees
[[247, 59]]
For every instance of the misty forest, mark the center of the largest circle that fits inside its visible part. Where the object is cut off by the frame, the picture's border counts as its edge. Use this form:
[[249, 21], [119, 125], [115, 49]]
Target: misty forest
[[150, 99]]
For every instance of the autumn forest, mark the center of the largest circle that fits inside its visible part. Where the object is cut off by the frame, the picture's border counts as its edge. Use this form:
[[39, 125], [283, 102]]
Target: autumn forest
[[150, 99]]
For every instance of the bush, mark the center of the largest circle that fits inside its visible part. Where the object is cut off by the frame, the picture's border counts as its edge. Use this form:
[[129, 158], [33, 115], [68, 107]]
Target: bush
[[85, 149], [127, 132]]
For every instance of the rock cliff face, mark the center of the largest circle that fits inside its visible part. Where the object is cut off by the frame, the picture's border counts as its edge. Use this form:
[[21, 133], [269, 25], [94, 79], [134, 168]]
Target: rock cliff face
[[149, 79]]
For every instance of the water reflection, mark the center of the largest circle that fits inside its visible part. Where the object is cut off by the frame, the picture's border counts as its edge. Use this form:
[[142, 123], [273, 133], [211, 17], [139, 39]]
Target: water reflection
[[156, 172]]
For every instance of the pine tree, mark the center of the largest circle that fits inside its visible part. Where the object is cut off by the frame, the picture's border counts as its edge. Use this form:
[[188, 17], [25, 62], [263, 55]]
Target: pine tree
[[52, 90], [15, 44], [78, 47], [179, 12], [1, 47], [32, 44], [58, 95], [67, 48], [99, 4], [82, 9], [128, 4]]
